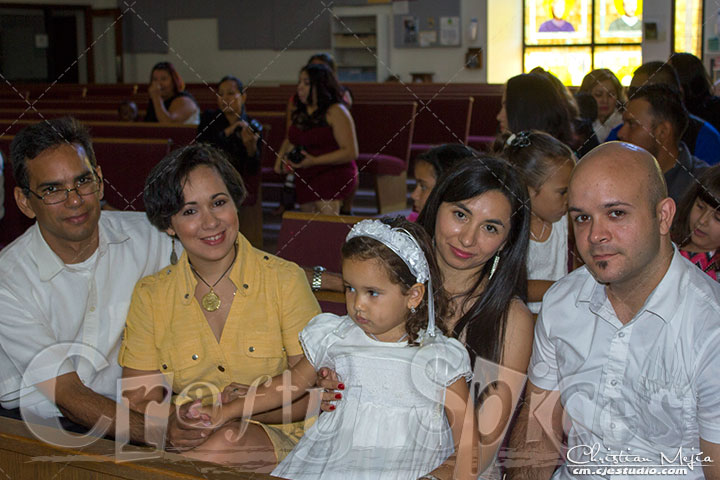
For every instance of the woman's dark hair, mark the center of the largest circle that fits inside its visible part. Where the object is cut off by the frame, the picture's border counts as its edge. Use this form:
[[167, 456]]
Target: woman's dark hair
[[324, 58], [707, 189], [163, 194], [325, 87], [694, 79], [486, 318], [536, 155], [238, 84], [533, 103], [442, 158], [366, 248], [178, 83], [40, 137]]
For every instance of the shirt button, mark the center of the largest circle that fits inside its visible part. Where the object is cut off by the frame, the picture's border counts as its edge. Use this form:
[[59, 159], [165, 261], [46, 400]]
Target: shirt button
[[221, 368], [266, 257], [245, 286], [195, 357], [621, 334], [612, 425], [92, 309], [613, 382], [164, 366], [252, 349], [187, 295]]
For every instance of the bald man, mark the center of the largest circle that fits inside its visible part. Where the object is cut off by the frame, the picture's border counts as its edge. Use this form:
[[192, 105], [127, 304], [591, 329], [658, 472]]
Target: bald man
[[625, 347]]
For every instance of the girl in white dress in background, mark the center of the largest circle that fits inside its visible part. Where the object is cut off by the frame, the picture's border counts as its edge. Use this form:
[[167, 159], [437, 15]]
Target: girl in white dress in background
[[545, 164], [406, 394]]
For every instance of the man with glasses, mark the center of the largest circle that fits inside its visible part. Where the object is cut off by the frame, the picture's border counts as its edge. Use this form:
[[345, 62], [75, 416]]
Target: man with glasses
[[66, 283]]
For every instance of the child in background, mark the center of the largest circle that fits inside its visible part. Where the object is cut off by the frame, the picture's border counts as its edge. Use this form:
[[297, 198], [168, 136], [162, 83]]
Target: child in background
[[696, 229], [398, 368], [429, 167], [545, 164]]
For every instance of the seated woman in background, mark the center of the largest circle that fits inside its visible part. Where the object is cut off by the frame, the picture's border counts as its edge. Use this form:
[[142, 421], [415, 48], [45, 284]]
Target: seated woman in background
[[696, 229], [321, 146], [605, 87], [531, 102], [226, 312], [229, 128], [169, 102]]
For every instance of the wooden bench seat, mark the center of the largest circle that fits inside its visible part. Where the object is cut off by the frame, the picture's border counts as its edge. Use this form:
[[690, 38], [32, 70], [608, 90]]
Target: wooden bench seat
[[23, 456]]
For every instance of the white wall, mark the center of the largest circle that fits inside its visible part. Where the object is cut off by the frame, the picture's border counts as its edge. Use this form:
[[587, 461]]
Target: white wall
[[194, 52], [660, 12], [196, 55], [504, 39]]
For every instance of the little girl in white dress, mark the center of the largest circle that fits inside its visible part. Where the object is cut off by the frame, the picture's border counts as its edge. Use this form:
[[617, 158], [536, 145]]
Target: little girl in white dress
[[406, 394]]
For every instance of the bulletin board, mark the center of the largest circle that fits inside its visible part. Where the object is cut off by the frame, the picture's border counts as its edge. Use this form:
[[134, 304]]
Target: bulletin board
[[427, 23]]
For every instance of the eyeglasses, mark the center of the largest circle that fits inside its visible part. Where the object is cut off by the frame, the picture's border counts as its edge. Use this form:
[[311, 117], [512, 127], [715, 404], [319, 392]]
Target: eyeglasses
[[83, 187]]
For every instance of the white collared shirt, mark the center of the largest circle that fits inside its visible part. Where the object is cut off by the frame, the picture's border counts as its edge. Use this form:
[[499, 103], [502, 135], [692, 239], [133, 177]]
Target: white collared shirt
[[44, 302], [648, 387]]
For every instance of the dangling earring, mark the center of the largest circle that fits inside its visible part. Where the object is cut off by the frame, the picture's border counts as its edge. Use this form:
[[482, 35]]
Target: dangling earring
[[494, 265], [173, 255]]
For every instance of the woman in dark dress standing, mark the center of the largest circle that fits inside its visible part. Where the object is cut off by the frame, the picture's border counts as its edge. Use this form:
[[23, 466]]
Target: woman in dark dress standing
[[321, 146]]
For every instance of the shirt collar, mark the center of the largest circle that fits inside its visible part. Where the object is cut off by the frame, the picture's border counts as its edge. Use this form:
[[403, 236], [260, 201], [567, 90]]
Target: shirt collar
[[49, 263], [662, 301], [243, 272]]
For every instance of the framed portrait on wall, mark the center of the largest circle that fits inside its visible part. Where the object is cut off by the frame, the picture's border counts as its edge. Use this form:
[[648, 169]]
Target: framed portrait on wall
[[557, 22], [618, 21]]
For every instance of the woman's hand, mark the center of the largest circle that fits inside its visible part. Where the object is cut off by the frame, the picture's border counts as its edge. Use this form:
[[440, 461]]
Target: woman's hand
[[249, 138], [328, 380], [233, 391], [154, 90], [308, 161]]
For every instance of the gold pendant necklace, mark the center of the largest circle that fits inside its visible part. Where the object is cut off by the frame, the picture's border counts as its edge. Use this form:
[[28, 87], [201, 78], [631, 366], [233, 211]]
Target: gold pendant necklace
[[210, 301]]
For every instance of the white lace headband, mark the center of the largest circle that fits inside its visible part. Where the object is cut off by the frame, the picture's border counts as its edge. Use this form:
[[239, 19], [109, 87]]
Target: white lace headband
[[404, 245]]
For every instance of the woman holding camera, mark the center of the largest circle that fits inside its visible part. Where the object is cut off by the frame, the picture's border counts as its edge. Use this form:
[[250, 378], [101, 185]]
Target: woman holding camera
[[321, 146], [229, 128]]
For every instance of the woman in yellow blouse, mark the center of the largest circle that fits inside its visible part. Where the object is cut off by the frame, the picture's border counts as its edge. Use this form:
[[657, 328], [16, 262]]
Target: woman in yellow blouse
[[218, 315]]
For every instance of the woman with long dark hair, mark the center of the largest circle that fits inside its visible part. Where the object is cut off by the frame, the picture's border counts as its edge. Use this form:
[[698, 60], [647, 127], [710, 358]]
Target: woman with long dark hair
[[169, 102], [479, 218], [697, 87], [321, 146], [531, 102]]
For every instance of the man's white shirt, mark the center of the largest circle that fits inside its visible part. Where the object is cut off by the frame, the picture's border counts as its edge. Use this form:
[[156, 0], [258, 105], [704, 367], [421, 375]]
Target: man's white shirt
[[651, 386], [57, 318]]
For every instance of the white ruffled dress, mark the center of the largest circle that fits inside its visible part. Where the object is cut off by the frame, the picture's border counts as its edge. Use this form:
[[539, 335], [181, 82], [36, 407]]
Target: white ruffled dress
[[391, 422]]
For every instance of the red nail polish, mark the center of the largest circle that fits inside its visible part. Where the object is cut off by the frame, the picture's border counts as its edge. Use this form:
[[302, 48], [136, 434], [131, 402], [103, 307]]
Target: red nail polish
[[332, 407], [341, 386], [338, 396]]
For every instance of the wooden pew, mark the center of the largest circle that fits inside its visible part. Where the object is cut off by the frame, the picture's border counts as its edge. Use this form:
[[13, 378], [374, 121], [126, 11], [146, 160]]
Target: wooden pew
[[178, 134], [298, 242], [442, 120], [384, 131], [23, 456]]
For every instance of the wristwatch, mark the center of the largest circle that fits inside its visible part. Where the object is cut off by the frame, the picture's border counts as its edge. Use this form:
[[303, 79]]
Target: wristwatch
[[317, 277]]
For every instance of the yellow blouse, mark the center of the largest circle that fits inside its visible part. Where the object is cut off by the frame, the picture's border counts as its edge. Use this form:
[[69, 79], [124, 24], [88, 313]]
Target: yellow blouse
[[167, 331]]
